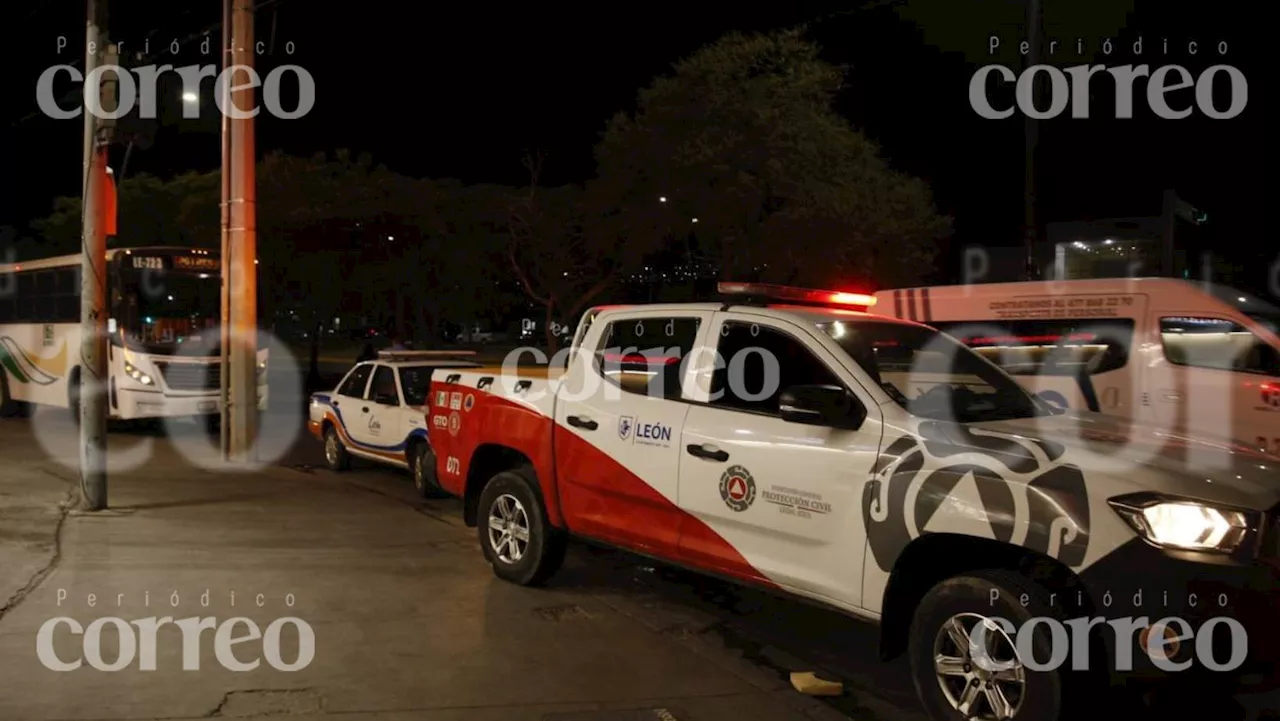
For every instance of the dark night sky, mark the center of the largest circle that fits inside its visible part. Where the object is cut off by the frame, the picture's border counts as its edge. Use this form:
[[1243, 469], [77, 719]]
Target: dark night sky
[[463, 91]]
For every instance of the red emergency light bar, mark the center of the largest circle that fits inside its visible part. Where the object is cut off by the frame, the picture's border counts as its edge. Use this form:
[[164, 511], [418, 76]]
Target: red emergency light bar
[[804, 296]]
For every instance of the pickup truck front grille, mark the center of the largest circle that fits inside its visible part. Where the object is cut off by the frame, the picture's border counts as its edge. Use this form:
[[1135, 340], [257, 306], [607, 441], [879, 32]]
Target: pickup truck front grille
[[191, 376]]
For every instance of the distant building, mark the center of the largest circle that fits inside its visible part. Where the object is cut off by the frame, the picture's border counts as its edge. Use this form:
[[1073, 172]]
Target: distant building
[[1152, 246], [1111, 248]]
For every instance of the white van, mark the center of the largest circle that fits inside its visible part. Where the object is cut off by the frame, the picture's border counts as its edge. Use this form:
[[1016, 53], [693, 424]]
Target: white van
[[1192, 358]]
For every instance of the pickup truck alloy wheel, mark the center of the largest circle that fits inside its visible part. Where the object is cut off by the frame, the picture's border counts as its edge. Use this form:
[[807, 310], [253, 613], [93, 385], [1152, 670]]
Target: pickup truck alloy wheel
[[990, 690], [508, 528], [955, 682], [518, 541]]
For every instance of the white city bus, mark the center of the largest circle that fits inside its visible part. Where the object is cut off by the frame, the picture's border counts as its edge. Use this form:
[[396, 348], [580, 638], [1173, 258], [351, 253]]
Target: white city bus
[[1193, 358], [163, 358]]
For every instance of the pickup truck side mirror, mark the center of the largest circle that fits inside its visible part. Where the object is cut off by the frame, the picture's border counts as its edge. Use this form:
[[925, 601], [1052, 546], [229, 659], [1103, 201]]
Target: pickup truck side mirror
[[830, 406]]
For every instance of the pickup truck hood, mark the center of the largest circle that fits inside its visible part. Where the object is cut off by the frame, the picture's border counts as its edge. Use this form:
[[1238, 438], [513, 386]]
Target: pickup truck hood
[[1136, 457]]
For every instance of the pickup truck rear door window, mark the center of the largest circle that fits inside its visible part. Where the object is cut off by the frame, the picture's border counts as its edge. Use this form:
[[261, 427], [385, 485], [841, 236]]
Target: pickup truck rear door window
[[646, 356]]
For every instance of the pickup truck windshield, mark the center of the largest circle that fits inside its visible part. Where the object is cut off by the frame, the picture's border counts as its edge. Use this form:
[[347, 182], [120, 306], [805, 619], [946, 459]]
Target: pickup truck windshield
[[932, 375]]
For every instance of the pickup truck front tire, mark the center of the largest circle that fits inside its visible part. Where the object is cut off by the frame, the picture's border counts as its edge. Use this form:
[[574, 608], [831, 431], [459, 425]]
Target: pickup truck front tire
[[519, 543], [953, 683]]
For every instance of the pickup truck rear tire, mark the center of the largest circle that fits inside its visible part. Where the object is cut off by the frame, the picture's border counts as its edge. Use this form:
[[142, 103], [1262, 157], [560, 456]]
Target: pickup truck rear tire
[[946, 674], [519, 543]]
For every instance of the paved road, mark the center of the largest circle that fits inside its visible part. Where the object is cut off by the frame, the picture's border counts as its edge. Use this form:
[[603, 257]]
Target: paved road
[[759, 635]]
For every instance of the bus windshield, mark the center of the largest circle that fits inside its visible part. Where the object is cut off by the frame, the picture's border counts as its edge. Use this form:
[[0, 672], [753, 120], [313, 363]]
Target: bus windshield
[[932, 375], [157, 309]]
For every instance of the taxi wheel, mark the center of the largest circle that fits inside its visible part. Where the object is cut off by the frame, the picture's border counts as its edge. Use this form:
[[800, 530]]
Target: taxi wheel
[[421, 459], [953, 682], [519, 543], [335, 454]]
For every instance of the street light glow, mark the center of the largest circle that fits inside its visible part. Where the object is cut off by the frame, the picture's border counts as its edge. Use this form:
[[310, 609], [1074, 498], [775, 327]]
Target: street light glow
[[695, 220], [662, 199], [190, 98]]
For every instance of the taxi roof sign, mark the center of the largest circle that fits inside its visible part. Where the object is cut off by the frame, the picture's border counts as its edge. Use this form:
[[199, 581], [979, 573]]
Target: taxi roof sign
[[803, 296]]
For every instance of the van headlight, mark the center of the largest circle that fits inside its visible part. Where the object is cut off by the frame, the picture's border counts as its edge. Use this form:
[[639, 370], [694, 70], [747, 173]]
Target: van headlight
[[132, 371], [1182, 524]]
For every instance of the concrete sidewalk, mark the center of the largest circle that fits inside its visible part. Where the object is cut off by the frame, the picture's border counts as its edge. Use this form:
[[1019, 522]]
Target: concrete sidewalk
[[408, 621], [34, 497]]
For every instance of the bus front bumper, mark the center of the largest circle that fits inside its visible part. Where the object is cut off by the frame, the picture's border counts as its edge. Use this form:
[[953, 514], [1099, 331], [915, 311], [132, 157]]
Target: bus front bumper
[[134, 404]]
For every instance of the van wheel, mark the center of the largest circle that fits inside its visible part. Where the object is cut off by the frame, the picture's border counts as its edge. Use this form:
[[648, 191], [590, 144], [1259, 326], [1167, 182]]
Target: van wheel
[[421, 459], [517, 540], [955, 681], [335, 454]]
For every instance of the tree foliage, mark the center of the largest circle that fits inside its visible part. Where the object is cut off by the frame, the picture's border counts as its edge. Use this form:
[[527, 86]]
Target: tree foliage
[[566, 246], [743, 138]]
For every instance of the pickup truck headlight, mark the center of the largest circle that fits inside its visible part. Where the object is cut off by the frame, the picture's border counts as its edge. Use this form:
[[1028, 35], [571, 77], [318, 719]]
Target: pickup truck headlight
[[131, 371], [1183, 524]]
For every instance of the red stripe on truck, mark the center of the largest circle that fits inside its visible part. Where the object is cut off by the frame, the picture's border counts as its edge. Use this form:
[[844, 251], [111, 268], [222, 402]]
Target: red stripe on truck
[[626, 511]]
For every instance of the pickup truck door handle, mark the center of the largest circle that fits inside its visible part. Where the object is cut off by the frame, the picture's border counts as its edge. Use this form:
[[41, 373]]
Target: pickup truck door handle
[[708, 452], [581, 422]]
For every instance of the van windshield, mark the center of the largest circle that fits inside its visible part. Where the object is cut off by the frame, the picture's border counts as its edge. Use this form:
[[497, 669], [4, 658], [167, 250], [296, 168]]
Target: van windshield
[[932, 375]]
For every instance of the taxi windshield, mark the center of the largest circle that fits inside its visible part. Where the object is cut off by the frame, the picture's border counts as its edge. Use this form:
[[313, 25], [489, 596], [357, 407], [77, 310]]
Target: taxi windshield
[[932, 375]]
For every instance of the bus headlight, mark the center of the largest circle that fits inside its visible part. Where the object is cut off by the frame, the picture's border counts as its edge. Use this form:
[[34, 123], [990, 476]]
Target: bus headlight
[[1186, 525], [137, 375]]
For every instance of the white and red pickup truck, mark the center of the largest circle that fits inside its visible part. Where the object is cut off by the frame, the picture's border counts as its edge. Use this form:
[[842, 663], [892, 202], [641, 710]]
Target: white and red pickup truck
[[876, 466]]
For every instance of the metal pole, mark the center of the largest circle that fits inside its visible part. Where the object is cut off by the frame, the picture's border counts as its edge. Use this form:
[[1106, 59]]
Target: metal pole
[[243, 242], [1030, 230], [224, 344], [89, 390]]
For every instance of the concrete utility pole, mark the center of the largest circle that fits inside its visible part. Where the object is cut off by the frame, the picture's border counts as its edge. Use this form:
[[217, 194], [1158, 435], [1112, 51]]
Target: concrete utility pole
[[239, 270], [90, 391]]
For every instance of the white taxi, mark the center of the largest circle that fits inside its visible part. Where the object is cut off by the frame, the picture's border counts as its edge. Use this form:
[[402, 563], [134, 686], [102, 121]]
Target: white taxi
[[378, 413]]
